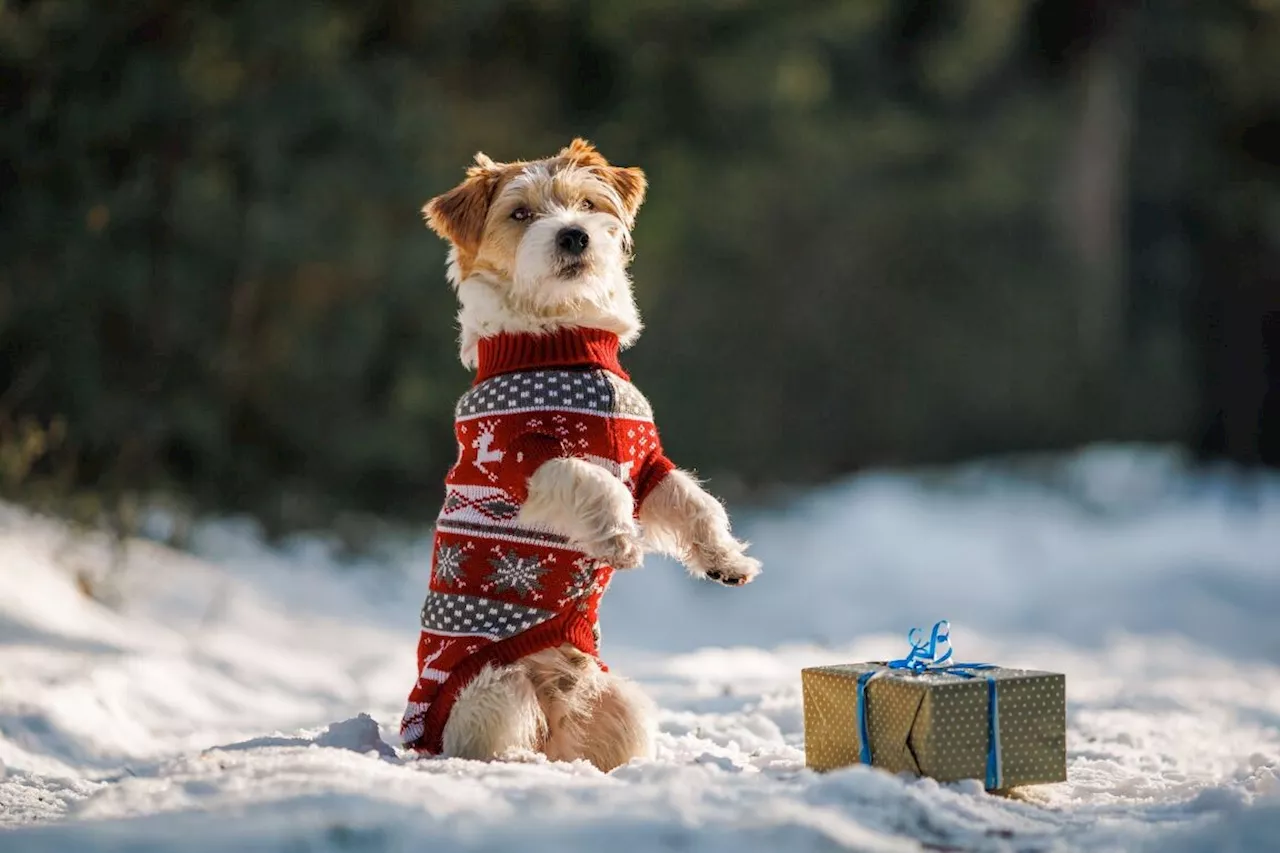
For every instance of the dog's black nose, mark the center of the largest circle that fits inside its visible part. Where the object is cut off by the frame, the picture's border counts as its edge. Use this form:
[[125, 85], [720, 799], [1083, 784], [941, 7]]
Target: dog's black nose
[[572, 240]]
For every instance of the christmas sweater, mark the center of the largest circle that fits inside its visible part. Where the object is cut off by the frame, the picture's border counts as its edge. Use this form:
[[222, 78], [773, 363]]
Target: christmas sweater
[[500, 590]]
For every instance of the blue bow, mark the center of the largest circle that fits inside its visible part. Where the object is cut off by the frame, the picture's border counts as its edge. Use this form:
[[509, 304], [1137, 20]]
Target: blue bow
[[932, 656]]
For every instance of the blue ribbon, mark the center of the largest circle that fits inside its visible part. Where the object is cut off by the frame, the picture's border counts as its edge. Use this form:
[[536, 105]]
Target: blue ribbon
[[864, 754], [933, 656]]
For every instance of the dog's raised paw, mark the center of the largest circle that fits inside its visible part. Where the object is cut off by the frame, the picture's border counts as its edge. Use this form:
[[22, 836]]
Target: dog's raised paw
[[732, 569]]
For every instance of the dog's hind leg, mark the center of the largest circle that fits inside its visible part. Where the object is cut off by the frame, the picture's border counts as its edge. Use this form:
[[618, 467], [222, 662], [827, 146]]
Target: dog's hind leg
[[591, 714], [496, 713], [621, 725]]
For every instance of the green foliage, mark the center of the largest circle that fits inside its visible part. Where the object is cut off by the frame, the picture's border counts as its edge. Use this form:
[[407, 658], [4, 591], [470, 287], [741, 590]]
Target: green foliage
[[852, 253]]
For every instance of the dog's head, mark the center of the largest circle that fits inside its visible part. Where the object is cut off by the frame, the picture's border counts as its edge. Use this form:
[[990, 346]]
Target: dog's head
[[539, 244]]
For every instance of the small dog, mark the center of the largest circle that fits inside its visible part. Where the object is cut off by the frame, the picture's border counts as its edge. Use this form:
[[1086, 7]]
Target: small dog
[[560, 477]]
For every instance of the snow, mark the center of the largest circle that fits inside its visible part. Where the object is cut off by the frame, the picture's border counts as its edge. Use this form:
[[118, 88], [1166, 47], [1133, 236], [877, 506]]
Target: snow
[[246, 698]]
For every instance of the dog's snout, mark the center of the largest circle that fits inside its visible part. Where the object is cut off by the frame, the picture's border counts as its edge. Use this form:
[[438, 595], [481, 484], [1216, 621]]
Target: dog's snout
[[572, 240]]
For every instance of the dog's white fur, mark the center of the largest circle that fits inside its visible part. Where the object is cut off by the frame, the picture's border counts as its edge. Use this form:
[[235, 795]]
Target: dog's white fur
[[683, 520], [497, 713], [588, 504], [559, 702]]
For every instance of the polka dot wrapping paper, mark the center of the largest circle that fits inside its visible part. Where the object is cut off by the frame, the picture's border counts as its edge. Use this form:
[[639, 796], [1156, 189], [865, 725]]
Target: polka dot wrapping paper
[[938, 724]]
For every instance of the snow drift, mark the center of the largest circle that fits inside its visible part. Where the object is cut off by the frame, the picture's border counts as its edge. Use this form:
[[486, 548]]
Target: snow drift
[[247, 698]]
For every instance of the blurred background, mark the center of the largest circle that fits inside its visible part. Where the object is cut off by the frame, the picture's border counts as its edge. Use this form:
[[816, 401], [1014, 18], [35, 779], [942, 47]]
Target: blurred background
[[879, 234]]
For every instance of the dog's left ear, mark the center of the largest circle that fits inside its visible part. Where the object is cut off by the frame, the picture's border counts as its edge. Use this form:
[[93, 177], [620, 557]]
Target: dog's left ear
[[630, 184], [628, 181]]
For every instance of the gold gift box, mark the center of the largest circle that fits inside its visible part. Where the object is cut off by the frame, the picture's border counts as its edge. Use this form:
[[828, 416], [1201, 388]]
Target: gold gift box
[[938, 723]]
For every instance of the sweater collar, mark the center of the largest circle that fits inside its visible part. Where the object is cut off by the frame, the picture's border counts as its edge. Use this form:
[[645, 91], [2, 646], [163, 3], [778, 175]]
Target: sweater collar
[[574, 346]]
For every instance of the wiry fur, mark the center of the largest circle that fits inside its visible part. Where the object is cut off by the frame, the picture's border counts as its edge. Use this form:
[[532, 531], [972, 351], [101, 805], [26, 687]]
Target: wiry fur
[[558, 702], [506, 272], [496, 713], [589, 505], [510, 277], [592, 714], [683, 520]]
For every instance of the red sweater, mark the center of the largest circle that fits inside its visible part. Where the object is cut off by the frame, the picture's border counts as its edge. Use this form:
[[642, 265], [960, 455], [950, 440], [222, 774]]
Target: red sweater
[[500, 591]]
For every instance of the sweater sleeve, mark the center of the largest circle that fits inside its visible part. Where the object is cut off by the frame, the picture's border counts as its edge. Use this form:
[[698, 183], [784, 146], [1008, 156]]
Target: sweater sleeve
[[655, 468]]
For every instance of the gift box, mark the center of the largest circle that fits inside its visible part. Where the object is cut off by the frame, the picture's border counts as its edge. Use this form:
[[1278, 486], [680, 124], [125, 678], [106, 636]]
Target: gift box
[[925, 715]]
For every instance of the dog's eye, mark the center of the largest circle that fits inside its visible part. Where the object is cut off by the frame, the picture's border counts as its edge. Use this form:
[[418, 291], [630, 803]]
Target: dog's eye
[[587, 204], [520, 214]]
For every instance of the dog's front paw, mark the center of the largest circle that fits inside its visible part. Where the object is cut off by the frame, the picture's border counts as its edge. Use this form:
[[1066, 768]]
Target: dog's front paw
[[622, 550], [731, 568]]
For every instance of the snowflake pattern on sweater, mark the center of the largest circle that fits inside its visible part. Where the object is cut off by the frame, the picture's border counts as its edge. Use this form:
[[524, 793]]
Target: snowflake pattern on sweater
[[500, 590]]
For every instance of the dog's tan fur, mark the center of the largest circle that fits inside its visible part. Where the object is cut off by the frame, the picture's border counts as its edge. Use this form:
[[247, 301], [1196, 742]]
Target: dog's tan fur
[[497, 292], [509, 279]]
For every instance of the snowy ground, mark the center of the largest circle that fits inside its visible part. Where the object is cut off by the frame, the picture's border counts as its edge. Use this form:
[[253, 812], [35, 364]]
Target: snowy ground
[[216, 704]]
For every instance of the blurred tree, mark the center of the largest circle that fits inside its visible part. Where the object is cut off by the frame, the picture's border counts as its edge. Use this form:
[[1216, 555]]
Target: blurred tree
[[884, 232], [1205, 208]]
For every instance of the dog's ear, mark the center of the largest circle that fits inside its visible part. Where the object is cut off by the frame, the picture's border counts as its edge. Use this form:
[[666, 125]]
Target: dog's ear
[[629, 182], [458, 215], [580, 152]]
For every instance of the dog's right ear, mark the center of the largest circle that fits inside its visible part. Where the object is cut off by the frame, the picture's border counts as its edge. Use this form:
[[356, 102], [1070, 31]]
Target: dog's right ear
[[458, 215]]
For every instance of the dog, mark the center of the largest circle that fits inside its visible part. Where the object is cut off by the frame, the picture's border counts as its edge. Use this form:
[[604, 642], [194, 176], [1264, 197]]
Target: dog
[[560, 477]]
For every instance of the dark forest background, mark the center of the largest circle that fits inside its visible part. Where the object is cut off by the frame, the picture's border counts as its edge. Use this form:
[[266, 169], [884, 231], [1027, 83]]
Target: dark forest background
[[879, 233]]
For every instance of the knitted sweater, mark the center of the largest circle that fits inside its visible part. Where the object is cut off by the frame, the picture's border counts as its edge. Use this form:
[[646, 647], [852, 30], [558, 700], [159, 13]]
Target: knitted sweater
[[499, 590]]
